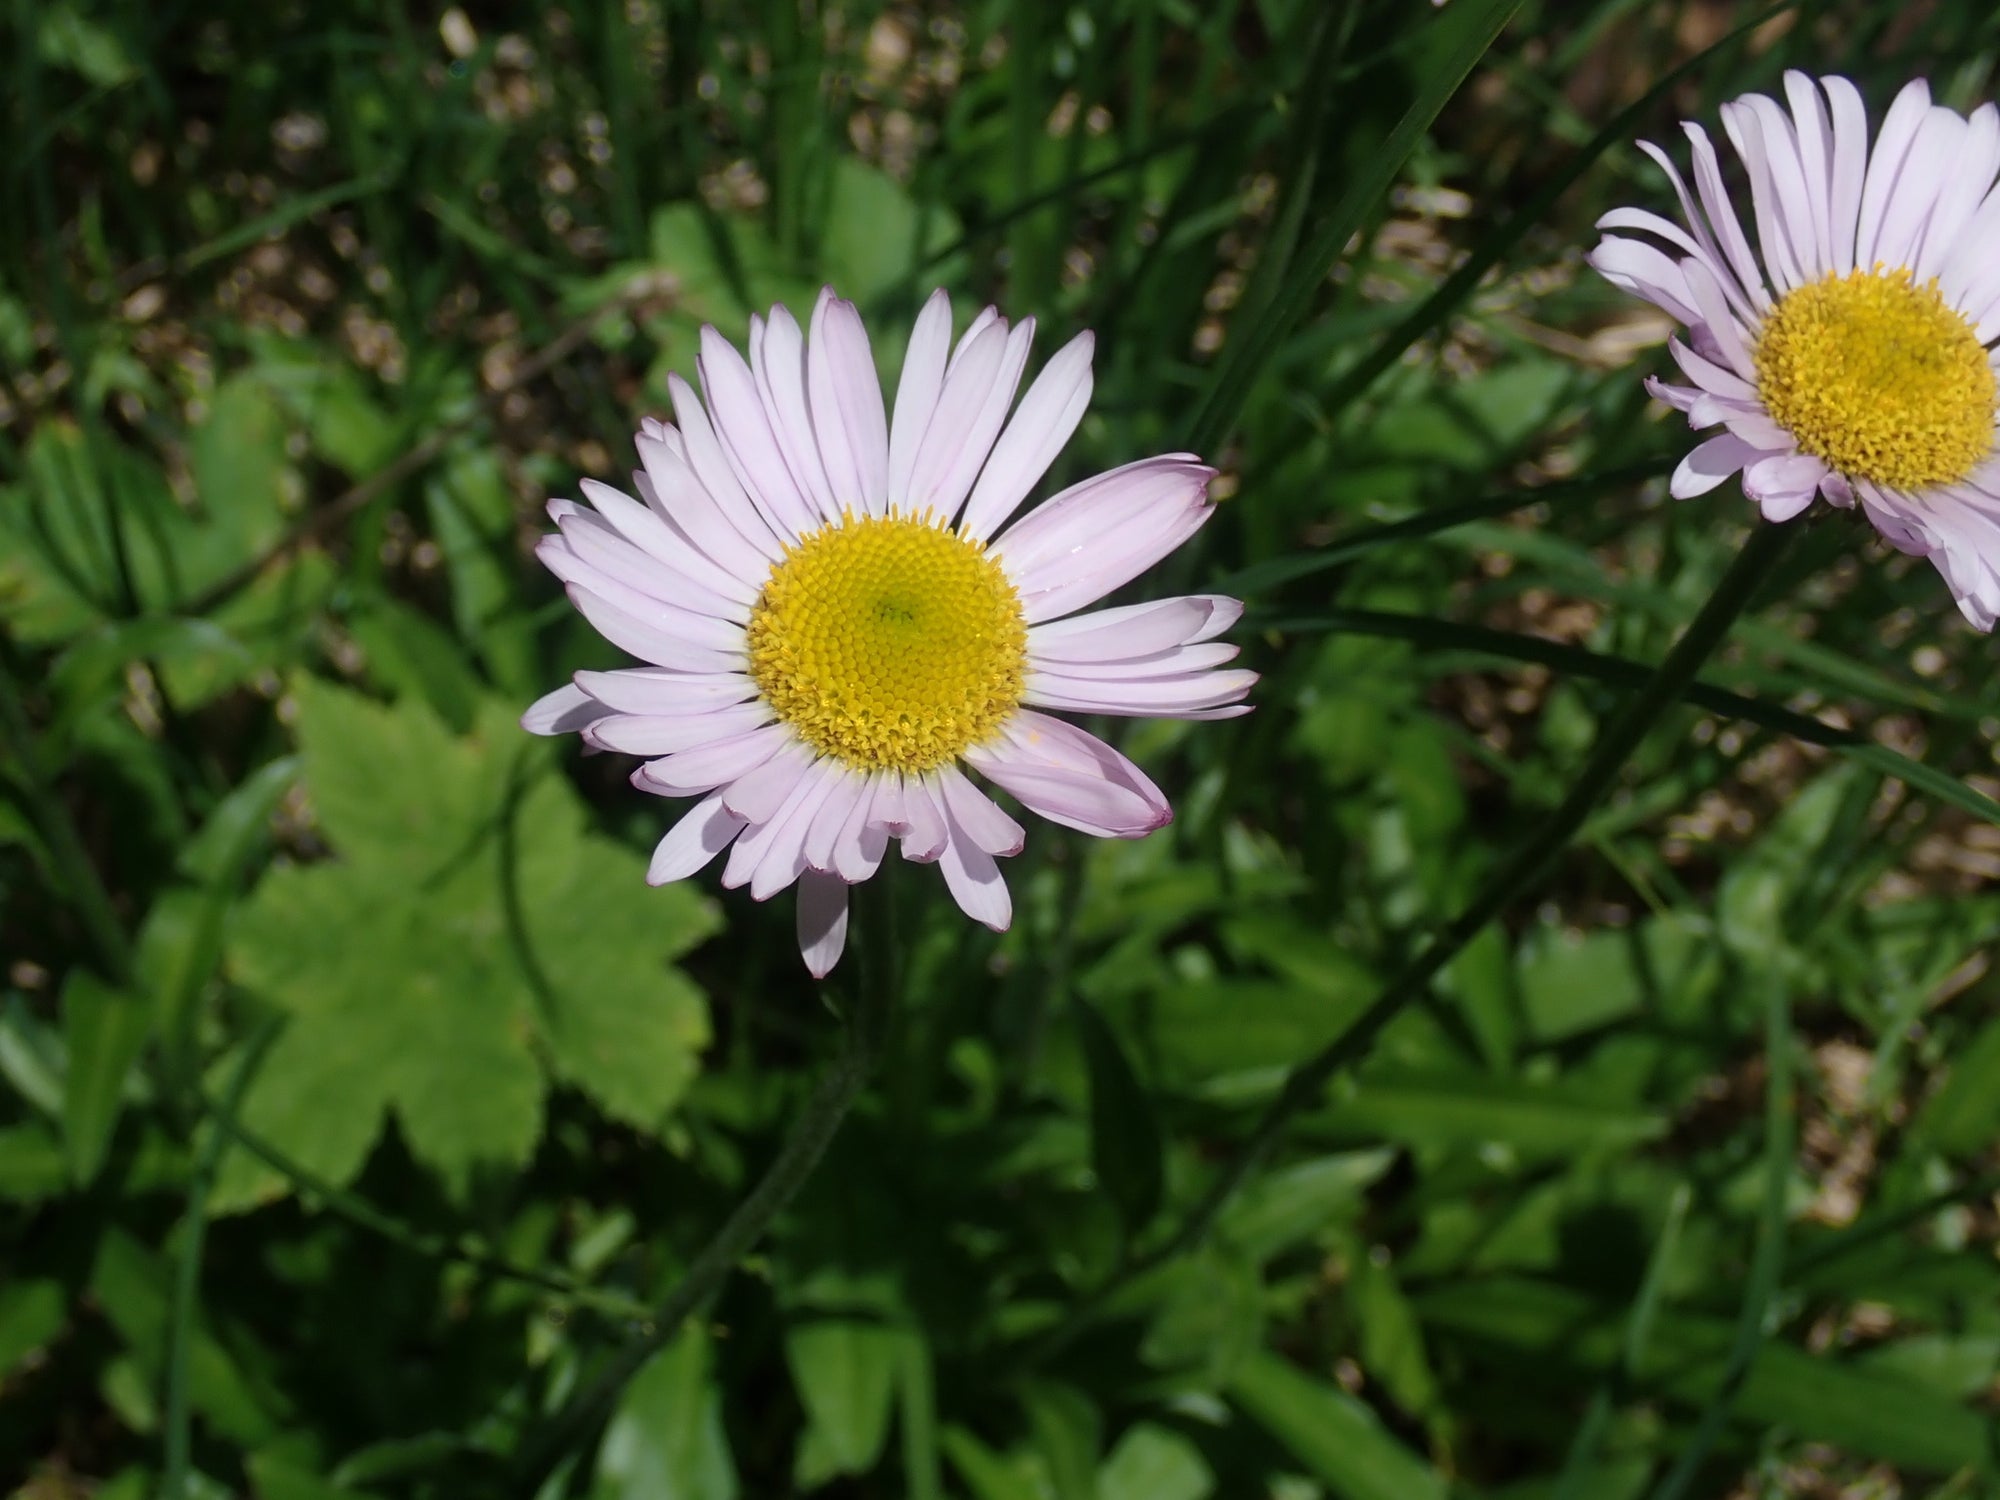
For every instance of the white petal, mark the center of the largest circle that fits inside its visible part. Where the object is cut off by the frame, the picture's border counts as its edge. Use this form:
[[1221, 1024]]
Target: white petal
[[1047, 417], [847, 407], [822, 922], [565, 711], [974, 812], [917, 391], [1708, 464], [696, 839]]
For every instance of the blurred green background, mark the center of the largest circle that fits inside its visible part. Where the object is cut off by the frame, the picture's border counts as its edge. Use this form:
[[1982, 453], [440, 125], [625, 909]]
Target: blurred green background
[[357, 1098]]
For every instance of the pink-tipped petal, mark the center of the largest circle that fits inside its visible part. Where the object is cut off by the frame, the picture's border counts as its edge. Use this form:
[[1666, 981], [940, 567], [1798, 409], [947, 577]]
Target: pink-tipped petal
[[1134, 629], [923, 817], [1071, 777], [1085, 542], [1152, 697], [974, 880]]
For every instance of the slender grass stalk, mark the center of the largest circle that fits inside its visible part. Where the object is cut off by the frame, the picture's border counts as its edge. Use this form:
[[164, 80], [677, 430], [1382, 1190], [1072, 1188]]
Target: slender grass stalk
[[1767, 1263], [576, 1427], [1516, 876], [176, 1445]]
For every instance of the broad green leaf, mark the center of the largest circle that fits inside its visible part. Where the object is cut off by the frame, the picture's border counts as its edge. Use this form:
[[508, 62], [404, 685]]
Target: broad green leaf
[[470, 939], [1155, 1463], [844, 1370], [1963, 1116], [240, 469], [1124, 1136], [32, 1312], [104, 1030], [875, 235], [666, 1440], [1574, 983], [1336, 1438], [348, 426]]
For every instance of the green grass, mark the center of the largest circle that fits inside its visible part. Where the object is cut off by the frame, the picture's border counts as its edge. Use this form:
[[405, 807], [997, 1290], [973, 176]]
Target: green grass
[[359, 1104]]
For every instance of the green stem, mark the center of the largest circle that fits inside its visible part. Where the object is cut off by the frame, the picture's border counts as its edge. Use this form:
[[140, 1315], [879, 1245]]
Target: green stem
[[576, 1426], [307, 1183], [1768, 1261], [187, 1277], [1519, 874]]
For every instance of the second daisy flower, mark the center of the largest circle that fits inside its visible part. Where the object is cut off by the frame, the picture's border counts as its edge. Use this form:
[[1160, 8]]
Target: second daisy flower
[[1853, 356]]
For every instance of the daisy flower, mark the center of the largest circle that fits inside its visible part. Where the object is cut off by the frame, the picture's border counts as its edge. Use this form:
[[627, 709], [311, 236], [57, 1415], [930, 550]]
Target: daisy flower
[[838, 618], [1850, 356]]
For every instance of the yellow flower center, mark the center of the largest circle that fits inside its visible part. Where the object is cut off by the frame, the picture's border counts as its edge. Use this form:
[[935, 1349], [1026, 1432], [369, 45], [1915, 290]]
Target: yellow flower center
[[890, 642], [1880, 377]]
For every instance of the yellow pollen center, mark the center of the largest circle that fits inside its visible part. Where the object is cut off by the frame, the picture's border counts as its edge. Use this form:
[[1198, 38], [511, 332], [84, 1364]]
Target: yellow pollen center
[[1880, 377], [892, 643]]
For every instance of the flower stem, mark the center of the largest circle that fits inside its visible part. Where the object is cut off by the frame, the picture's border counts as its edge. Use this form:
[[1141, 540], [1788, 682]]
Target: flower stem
[[1517, 875], [575, 1427]]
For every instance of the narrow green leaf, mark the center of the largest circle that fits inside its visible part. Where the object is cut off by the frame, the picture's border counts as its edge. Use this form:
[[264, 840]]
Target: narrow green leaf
[[1336, 1438], [1624, 672], [1814, 1397], [104, 1029], [1465, 30]]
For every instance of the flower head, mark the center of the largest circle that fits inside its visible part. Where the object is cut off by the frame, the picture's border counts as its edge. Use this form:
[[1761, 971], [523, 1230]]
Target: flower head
[[1853, 356], [837, 616]]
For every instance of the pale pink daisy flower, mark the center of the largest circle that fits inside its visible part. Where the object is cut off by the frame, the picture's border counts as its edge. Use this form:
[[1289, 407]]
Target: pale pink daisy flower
[[837, 615], [1852, 357]]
